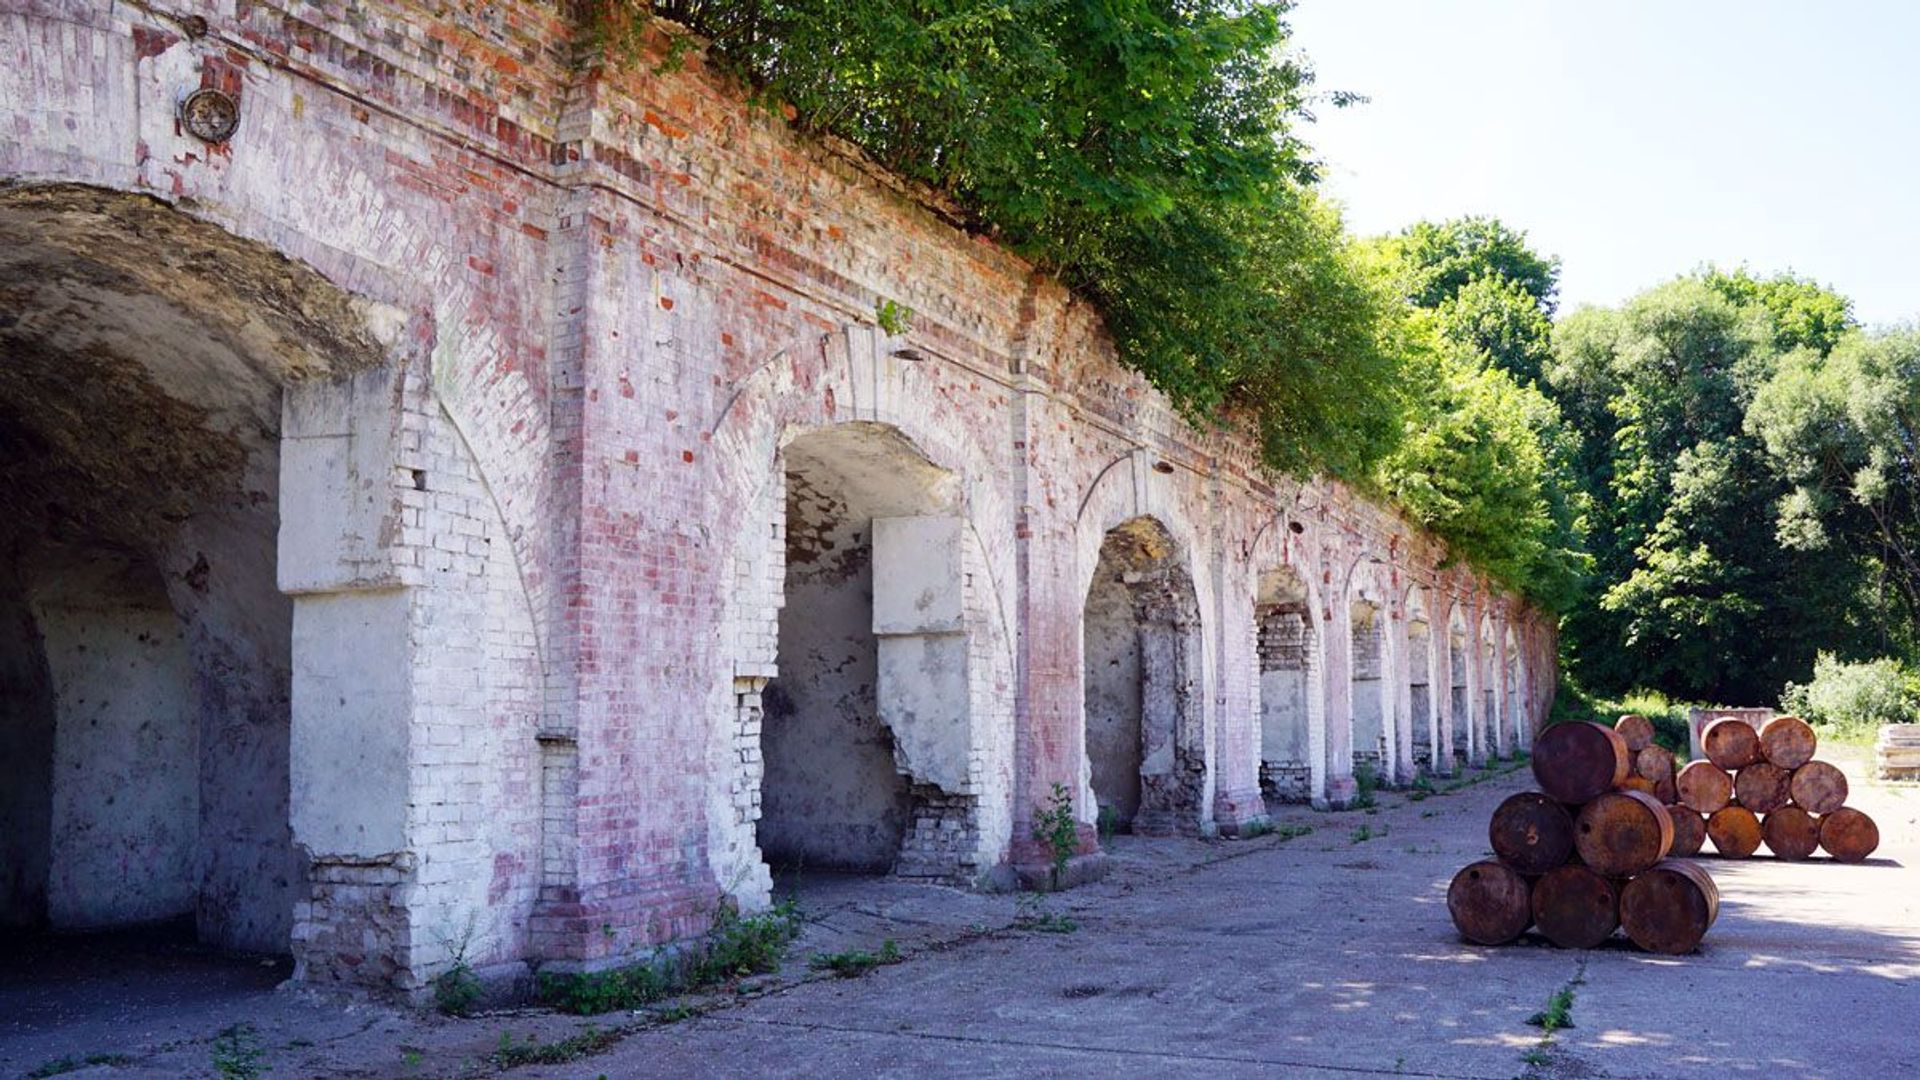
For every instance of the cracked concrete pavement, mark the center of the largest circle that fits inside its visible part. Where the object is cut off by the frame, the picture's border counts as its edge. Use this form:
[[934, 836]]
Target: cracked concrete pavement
[[1328, 954]]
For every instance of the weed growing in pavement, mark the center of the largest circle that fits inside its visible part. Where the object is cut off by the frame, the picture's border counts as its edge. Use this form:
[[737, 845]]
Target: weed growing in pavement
[[736, 947], [1367, 779], [457, 990], [856, 962], [237, 1053], [1367, 832], [512, 1053], [76, 1062], [1557, 1014], [1031, 913]]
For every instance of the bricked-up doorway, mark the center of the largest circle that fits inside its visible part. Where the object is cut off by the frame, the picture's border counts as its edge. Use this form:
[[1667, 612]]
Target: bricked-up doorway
[[1141, 640], [1291, 695], [864, 737]]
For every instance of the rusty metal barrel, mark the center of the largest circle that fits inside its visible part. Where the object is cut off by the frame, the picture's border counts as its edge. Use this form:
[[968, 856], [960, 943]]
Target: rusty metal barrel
[[1787, 741], [1818, 788], [1490, 903], [1689, 831], [1763, 787], [1704, 786], [1731, 743], [1849, 835], [1576, 761], [1531, 833], [1575, 908], [1622, 833], [1790, 832], [1670, 908], [1735, 831], [1637, 730]]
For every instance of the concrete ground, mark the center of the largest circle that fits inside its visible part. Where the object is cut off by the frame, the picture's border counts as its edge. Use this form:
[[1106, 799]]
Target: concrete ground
[[1323, 955]]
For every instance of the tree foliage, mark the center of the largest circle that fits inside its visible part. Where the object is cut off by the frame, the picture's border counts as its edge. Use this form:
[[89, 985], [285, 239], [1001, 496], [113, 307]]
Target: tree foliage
[[1696, 596], [1142, 150], [1485, 459], [1843, 431]]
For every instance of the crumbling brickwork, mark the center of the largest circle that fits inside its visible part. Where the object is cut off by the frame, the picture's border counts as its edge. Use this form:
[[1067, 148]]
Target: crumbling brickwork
[[536, 348]]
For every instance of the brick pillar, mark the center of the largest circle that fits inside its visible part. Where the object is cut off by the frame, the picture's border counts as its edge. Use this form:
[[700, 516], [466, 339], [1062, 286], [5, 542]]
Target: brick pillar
[[1440, 681]]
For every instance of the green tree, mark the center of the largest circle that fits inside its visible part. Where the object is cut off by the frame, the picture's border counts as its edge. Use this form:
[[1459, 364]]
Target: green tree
[[1443, 258], [1697, 598], [1844, 432], [1486, 461]]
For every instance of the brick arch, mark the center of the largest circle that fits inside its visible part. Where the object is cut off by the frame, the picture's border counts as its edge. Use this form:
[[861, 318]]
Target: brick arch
[[1152, 599], [955, 828], [1288, 769]]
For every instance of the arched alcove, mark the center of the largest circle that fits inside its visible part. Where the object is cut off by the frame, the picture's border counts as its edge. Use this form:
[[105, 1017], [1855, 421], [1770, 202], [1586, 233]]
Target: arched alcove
[[1291, 694], [146, 645], [865, 724], [1141, 668]]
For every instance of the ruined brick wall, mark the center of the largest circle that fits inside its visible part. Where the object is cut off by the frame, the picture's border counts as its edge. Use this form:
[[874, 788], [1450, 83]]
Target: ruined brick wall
[[617, 301]]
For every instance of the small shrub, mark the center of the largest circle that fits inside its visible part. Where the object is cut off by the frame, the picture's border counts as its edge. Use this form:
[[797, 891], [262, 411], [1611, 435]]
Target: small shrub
[[456, 990], [1367, 779], [1852, 700], [1054, 826]]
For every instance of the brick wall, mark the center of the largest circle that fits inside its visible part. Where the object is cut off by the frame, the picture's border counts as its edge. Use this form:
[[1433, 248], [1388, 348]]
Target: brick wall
[[628, 292]]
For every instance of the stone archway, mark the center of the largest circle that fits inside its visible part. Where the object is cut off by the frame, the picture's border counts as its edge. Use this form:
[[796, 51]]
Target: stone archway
[[1292, 694], [149, 649], [865, 730], [1141, 647]]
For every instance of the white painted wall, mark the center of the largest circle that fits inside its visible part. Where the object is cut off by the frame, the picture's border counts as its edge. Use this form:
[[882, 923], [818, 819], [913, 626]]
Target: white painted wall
[[126, 801]]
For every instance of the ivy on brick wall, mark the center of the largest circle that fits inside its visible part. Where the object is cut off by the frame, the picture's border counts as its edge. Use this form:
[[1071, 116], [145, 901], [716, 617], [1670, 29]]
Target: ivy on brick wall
[[1142, 150]]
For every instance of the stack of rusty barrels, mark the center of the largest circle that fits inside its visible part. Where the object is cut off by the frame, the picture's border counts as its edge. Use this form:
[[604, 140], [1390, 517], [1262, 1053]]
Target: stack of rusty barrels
[[1763, 786], [1585, 855]]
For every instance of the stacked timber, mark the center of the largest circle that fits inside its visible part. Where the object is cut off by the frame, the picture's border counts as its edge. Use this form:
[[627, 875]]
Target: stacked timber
[[1763, 786], [1593, 851], [1896, 753]]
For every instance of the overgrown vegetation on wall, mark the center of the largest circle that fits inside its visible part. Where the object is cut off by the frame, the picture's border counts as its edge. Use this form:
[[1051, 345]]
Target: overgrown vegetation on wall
[[1713, 481], [1143, 152]]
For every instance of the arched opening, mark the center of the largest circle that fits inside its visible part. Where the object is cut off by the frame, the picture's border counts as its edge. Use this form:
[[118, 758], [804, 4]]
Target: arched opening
[[1370, 732], [1141, 665], [145, 646], [1420, 701], [1290, 692], [864, 729], [1463, 738]]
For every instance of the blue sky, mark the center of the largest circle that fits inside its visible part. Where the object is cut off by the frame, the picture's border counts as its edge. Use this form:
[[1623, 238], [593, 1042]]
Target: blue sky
[[1637, 140]]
